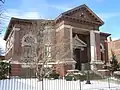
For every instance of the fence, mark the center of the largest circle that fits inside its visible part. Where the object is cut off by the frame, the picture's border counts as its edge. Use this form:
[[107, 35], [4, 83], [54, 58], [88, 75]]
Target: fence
[[27, 80]]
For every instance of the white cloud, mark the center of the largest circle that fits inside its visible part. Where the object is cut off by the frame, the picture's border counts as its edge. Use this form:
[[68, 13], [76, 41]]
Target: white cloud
[[31, 15], [109, 15], [2, 44], [21, 14], [63, 8]]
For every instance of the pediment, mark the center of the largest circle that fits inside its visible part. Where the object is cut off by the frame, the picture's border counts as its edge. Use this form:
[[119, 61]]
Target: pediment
[[78, 42], [83, 13]]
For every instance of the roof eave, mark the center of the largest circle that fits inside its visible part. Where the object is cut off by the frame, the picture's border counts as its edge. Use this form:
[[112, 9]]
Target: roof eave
[[7, 30], [106, 34], [84, 5]]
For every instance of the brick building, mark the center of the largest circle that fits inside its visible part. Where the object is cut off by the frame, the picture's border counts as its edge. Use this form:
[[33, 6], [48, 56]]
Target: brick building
[[115, 47], [74, 33]]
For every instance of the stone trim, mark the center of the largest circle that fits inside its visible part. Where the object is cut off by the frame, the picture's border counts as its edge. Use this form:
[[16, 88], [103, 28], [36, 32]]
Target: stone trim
[[77, 39], [97, 32], [96, 62], [93, 48], [7, 51], [93, 45], [16, 29], [69, 26], [28, 35], [71, 41]]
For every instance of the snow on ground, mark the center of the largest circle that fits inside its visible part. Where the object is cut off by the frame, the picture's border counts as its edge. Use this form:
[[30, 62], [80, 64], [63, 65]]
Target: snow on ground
[[34, 84]]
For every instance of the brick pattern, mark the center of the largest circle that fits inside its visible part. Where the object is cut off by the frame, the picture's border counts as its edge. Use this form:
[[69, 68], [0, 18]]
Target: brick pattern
[[15, 70]]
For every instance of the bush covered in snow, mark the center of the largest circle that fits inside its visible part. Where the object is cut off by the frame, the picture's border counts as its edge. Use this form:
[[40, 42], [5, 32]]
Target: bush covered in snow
[[117, 74], [5, 69], [75, 76], [52, 75]]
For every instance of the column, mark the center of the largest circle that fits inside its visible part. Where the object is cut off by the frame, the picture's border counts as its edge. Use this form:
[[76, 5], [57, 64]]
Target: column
[[92, 49], [71, 48], [68, 44], [92, 46]]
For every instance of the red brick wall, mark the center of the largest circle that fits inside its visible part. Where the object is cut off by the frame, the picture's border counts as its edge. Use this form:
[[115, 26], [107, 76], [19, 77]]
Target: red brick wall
[[97, 40], [115, 46], [103, 41], [15, 69]]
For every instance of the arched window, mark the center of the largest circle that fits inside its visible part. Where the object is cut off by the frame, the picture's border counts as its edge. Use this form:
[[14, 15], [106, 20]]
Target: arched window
[[102, 51], [28, 48]]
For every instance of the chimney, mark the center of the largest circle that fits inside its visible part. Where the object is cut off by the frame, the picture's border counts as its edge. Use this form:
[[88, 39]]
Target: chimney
[[110, 39]]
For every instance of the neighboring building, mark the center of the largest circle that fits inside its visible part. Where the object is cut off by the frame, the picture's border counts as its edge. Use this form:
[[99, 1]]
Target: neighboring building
[[115, 47], [75, 33]]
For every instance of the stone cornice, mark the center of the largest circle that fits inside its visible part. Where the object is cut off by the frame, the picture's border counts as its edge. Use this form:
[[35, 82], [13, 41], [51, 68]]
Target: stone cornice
[[104, 34], [14, 21], [77, 9], [73, 19]]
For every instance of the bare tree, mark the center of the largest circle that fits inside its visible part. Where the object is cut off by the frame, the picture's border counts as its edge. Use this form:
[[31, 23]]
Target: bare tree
[[2, 18], [47, 49], [3, 1]]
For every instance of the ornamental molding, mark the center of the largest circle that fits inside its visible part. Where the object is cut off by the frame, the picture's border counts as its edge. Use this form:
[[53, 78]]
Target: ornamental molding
[[28, 35]]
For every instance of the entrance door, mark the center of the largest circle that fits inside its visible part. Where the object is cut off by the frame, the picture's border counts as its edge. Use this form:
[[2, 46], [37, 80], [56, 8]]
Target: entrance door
[[77, 59]]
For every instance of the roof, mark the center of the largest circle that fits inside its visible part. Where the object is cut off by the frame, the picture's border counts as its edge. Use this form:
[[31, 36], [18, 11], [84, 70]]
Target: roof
[[78, 8], [105, 34], [12, 21], [18, 20]]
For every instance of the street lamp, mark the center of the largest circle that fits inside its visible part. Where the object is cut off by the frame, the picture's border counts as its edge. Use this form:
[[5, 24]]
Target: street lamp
[[88, 74]]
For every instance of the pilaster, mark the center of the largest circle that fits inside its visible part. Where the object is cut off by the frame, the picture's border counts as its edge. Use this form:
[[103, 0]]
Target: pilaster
[[95, 49]]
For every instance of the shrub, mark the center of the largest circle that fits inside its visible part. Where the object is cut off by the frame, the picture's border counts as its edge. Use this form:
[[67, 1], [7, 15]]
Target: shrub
[[75, 76], [114, 63], [117, 74], [5, 69], [70, 78], [53, 75]]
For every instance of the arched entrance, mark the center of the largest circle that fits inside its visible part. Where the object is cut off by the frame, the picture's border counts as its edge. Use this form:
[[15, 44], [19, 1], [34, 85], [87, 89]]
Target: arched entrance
[[78, 49]]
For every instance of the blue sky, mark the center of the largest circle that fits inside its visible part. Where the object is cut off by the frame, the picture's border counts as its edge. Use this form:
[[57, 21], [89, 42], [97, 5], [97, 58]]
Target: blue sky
[[107, 10]]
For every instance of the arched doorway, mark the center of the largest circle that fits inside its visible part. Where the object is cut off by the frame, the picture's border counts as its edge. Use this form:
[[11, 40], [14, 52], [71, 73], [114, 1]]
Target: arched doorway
[[78, 49]]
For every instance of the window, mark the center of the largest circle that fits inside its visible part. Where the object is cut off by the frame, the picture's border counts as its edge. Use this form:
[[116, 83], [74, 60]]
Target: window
[[102, 51], [29, 40], [47, 51], [29, 50]]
